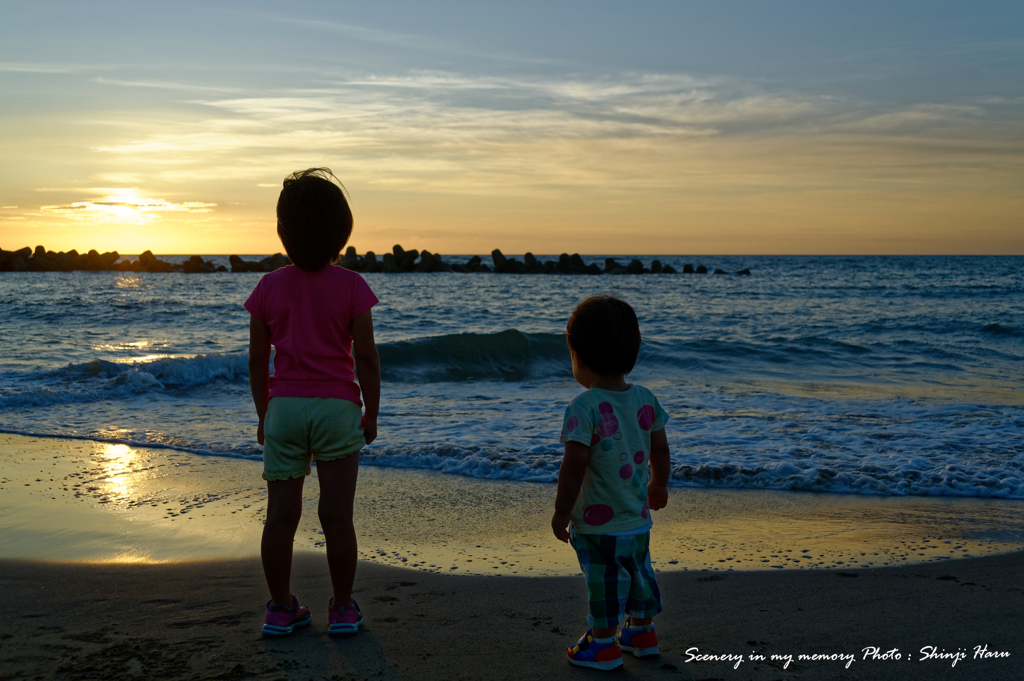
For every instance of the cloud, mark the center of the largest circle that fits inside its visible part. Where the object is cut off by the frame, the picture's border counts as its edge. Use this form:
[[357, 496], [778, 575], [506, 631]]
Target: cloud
[[123, 206], [16, 67], [432, 108], [450, 132], [166, 85], [917, 119]]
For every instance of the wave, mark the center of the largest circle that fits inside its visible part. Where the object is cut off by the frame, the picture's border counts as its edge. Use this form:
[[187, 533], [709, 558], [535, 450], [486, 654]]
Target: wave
[[509, 355], [176, 372], [536, 464], [99, 379], [512, 355], [912, 477]]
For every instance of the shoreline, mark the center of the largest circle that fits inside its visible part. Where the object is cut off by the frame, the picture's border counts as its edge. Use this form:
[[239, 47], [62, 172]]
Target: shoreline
[[87, 501], [201, 620]]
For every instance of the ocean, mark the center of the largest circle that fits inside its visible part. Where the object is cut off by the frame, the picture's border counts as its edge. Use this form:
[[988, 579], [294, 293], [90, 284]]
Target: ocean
[[855, 375]]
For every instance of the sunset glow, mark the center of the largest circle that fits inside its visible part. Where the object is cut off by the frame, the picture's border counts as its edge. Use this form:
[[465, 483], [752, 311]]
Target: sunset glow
[[125, 206], [676, 129]]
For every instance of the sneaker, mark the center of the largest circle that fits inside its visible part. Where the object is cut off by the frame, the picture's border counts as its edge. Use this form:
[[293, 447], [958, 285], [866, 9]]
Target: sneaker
[[343, 619], [282, 620], [587, 653], [641, 641]]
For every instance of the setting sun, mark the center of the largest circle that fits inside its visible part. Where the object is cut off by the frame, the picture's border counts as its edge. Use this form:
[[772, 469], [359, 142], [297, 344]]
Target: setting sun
[[125, 206]]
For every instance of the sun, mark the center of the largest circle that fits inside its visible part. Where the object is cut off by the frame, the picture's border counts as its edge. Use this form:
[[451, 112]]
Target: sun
[[125, 206]]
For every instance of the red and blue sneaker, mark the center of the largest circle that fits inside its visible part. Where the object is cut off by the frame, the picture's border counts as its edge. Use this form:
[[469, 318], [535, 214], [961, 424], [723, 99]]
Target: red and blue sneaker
[[343, 619], [589, 653], [641, 641], [282, 619]]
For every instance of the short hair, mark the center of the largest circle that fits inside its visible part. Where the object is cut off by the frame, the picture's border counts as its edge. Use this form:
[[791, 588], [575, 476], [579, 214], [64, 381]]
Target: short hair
[[313, 218], [603, 332]]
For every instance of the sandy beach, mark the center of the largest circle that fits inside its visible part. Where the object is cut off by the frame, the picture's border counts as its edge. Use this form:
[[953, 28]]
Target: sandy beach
[[200, 620], [140, 563]]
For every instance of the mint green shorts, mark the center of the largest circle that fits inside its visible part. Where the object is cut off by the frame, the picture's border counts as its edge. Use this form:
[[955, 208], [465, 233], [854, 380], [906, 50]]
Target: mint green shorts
[[300, 429]]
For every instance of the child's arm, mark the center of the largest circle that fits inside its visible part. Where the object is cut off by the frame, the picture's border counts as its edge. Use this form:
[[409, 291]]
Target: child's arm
[[259, 369], [657, 488], [364, 350], [570, 480]]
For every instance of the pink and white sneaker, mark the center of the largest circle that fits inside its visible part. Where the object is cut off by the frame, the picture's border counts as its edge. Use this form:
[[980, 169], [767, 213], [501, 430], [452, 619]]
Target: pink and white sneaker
[[282, 619], [343, 619]]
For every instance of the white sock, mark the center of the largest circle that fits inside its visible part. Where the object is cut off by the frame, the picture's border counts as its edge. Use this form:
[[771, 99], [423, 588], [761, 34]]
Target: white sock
[[602, 641]]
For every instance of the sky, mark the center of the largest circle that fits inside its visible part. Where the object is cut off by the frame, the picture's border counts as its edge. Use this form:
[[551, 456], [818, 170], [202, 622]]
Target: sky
[[683, 127]]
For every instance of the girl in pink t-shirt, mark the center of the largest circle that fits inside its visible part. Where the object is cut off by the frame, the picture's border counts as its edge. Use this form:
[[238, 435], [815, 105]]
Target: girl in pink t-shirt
[[317, 316]]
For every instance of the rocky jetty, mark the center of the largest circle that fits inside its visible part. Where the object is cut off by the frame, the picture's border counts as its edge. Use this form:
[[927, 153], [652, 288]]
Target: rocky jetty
[[399, 260], [42, 260], [269, 264]]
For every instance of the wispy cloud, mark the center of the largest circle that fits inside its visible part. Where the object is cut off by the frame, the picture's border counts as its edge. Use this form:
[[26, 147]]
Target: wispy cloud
[[458, 133], [16, 67], [123, 206], [167, 85]]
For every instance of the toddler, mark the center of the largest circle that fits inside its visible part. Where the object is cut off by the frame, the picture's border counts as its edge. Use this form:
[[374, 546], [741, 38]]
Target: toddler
[[317, 317], [614, 433]]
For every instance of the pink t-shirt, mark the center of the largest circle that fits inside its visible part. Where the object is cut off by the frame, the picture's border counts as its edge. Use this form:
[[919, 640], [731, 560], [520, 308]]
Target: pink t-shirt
[[310, 318]]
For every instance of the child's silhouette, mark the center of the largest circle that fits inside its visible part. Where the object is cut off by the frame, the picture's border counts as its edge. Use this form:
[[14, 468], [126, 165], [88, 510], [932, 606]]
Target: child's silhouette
[[317, 317], [608, 432]]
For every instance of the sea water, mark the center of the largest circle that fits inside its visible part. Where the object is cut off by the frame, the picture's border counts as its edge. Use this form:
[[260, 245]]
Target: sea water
[[862, 375]]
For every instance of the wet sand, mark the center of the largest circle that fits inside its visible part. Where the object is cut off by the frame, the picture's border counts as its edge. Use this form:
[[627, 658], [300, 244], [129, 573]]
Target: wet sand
[[73, 500]]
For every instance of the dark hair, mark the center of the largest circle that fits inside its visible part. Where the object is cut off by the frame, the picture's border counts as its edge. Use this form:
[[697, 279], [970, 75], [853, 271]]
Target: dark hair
[[313, 218], [604, 333]]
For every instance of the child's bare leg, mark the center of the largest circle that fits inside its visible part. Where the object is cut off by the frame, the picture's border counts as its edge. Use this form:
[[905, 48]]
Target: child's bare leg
[[640, 621], [337, 492], [284, 508], [603, 633]]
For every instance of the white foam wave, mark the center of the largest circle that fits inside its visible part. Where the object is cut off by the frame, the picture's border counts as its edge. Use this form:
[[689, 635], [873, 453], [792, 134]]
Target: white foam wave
[[915, 477], [183, 372], [538, 464], [893, 448], [890, 447], [103, 380], [166, 371], [251, 455], [949, 481]]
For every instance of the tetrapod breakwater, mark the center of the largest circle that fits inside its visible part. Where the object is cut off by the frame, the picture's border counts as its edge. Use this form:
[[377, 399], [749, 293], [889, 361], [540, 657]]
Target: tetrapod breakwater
[[397, 261]]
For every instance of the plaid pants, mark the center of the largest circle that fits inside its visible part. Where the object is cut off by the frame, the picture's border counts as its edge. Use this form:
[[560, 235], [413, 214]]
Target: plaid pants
[[620, 579]]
